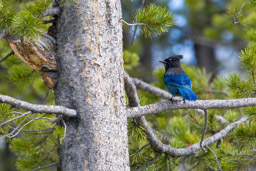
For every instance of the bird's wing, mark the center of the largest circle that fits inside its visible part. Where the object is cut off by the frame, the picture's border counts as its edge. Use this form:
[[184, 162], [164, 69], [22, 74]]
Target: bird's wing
[[182, 81], [187, 94]]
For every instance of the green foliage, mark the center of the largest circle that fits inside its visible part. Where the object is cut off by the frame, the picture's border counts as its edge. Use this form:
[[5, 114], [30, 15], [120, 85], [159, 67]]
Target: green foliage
[[25, 24], [6, 13], [36, 7], [244, 87], [22, 75], [26, 21], [131, 60], [37, 148], [156, 18]]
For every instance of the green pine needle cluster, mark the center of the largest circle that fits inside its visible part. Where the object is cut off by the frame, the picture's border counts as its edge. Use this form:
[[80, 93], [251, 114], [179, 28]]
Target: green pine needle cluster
[[6, 14], [25, 20], [245, 86], [156, 19]]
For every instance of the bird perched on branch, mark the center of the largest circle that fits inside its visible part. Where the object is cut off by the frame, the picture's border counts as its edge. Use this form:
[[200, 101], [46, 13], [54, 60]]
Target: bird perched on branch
[[176, 79]]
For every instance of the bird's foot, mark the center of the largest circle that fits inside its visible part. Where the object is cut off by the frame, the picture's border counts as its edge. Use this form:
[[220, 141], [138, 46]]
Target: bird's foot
[[171, 99], [184, 101]]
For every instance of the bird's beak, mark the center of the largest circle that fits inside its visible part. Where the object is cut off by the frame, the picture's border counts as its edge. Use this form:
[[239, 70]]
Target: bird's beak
[[163, 62]]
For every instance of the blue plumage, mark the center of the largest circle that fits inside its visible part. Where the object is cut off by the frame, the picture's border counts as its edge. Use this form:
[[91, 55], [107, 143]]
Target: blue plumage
[[176, 79]]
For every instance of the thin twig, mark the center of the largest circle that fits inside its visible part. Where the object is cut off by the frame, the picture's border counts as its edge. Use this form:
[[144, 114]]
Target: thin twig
[[217, 91], [6, 122], [49, 151], [215, 157], [37, 108], [7, 56], [65, 128], [17, 127], [134, 24], [46, 166], [204, 131], [139, 150], [240, 167], [235, 21], [151, 162], [135, 29], [24, 126], [38, 130]]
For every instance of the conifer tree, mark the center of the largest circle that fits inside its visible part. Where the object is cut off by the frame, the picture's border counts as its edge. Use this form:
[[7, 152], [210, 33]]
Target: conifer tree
[[53, 50]]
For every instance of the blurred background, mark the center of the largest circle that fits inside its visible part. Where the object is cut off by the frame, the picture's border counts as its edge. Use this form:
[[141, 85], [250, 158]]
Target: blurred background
[[206, 32]]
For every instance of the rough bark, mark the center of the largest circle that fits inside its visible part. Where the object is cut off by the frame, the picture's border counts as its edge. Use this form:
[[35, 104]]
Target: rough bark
[[90, 67]]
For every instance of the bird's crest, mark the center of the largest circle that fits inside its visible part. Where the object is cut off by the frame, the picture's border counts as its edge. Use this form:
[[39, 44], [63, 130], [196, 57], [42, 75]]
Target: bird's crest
[[174, 57]]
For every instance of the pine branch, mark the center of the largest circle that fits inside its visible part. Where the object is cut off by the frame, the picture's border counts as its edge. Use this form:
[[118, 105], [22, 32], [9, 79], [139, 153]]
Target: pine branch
[[235, 20], [36, 108], [204, 131], [139, 150], [156, 144], [133, 24], [252, 156], [11, 120], [177, 152], [199, 104], [49, 151], [215, 157], [46, 166], [151, 89], [151, 162], [7, 56]]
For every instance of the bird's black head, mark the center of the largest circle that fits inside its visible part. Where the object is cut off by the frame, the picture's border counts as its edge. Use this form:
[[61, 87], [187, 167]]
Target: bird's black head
[[172, 61]]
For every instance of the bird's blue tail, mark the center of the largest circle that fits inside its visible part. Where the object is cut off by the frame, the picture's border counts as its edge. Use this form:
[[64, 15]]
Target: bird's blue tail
[[187, 94]]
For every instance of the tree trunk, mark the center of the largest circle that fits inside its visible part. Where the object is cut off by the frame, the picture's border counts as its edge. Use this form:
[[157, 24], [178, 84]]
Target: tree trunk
[[90, 67], [206, 58]]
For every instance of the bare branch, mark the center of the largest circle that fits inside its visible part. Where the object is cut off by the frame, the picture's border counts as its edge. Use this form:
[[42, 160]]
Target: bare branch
[[139, 150], [52, 11], [151, 89], [235, 20], [221, 119], [20, 129], [7, 56], [150, 163], [199, 104], [134, 24], [24, 114], [136, 27], [215, 157], [36, 108], [217, 91], [17, 127], [204, 131], [49, 151], [43, 167], [177, 152], [252, 156]]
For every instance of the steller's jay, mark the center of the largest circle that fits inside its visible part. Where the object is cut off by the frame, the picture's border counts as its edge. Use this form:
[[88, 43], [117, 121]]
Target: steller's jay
[[176, 79]]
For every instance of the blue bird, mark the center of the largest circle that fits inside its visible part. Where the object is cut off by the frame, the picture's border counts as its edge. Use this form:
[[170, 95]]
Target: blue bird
[[176, 79]]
